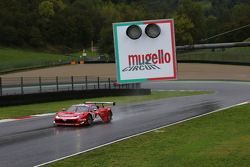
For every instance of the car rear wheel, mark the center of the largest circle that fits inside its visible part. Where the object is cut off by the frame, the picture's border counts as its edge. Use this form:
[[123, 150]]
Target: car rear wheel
[[89, 120], [110, 114]]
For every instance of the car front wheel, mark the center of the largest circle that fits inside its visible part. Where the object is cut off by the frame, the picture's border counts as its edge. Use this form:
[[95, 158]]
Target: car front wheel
[[89, 120]]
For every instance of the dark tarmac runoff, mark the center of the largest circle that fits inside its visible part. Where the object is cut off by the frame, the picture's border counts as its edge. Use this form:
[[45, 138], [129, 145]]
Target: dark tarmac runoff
[[35, 141]]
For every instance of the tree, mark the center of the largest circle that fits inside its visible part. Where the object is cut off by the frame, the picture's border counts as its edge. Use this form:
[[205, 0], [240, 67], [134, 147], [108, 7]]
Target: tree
[[183, 30], [46, 9], [212, 27], [76, 23], [194, 12], [35, 37], [241, 17]]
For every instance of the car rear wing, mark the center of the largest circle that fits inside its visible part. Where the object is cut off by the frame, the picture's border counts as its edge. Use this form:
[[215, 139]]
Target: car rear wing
[[102, 103]]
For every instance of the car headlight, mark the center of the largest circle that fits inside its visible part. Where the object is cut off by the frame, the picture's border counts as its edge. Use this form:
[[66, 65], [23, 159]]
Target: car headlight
[[57, 117]]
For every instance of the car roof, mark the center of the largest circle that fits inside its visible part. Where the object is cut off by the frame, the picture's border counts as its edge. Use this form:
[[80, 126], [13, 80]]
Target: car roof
[[79, 105]]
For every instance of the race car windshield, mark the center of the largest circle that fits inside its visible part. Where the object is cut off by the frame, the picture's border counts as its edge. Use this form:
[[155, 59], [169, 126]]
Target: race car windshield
[[78, 109]]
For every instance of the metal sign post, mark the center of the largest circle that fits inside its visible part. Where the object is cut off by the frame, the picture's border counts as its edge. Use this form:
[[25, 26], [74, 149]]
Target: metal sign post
[[1, 89]]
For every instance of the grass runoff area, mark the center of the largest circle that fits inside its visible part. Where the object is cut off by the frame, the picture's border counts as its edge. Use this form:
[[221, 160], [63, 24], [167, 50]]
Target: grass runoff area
[[25, 110], [16, 59], [12, 59], [235, 55], [218, 139]]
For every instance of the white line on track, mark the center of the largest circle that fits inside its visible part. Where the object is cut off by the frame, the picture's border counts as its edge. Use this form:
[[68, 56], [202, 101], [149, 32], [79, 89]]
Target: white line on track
[[7, 120], [204, 81], [94, 148], [42, 115], [175, 90]]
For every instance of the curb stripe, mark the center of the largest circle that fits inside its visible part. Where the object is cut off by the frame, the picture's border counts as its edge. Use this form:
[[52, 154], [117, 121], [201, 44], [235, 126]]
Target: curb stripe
[[26, 117]]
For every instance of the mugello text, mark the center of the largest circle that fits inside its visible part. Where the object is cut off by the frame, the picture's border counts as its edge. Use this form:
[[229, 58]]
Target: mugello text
[[147, 61]]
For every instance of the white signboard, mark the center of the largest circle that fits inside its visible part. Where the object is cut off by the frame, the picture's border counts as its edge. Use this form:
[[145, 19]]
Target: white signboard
[[144, 50]]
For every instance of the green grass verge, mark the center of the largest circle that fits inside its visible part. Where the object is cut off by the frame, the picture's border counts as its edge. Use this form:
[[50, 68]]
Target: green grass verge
[[24, 110], [237, 55], [219, 139], [15, 59]]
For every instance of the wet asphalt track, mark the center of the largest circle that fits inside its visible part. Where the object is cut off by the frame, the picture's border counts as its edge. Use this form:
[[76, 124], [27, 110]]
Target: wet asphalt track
[[34, 141]]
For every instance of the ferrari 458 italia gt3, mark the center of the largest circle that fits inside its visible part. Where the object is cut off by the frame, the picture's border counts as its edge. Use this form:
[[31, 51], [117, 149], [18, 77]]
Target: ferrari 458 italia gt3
[[84, 114]]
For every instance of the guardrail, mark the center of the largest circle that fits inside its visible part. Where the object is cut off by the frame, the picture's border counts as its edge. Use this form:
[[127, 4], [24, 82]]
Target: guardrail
[[213, 46], [30, 85], [218, 53]]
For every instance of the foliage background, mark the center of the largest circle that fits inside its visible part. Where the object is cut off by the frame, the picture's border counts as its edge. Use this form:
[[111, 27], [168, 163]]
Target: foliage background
[[64, 26]]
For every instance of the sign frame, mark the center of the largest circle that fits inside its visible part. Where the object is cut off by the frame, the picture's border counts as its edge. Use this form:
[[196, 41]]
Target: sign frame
[[173, 75]]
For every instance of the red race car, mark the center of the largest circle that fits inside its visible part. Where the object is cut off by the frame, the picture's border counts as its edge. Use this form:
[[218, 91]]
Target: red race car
[[84, 114]]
